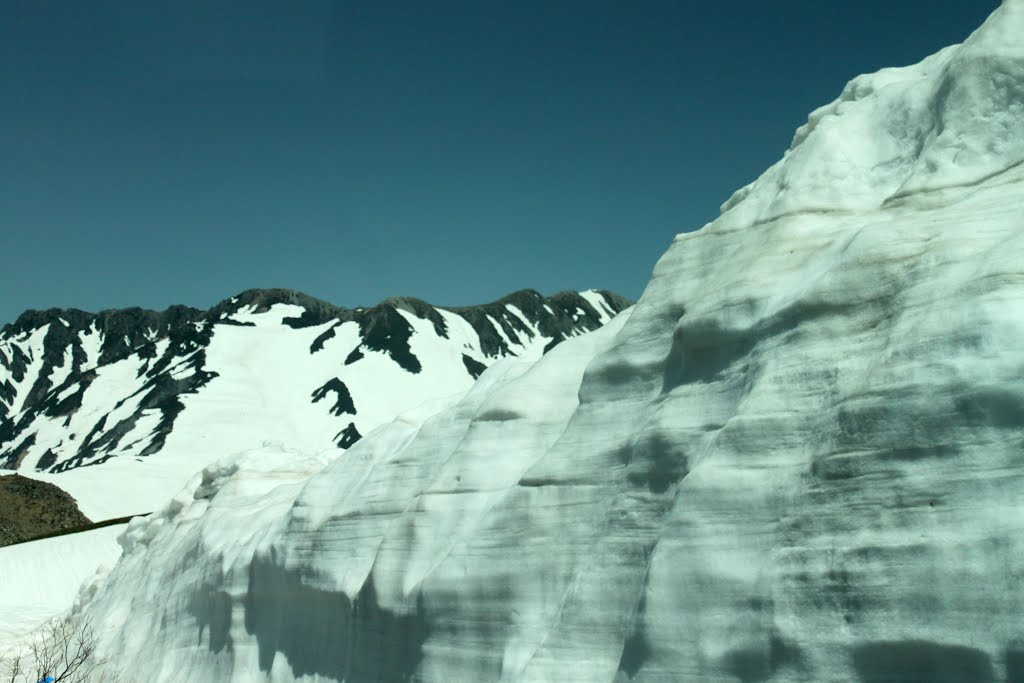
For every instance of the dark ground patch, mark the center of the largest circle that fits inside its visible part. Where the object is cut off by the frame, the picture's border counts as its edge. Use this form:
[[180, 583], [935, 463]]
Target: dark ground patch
[[343, 403], [30, 508], [318, 343], [474, 367], [347, 436], [384, 329], [555, 317]]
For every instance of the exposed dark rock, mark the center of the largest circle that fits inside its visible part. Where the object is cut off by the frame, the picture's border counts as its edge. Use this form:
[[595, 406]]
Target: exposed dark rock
[[184, 334], [12, 458], [474, 367], [318, 343], [384, 329], [420, 309], [30, 508], [348, 436], [555, 317], [47, 460], [343, 403], [17, 365], [316, 311]]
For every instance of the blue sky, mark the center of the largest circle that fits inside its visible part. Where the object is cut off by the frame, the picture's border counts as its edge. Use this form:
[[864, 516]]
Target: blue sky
[[165, 152]]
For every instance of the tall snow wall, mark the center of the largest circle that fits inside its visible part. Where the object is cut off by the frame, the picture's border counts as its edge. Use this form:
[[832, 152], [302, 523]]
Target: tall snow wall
[[797, 458]]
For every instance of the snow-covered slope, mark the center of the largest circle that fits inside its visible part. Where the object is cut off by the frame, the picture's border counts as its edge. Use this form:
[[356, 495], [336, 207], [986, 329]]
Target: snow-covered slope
[[41, 579], [154, 397], [797, 458]]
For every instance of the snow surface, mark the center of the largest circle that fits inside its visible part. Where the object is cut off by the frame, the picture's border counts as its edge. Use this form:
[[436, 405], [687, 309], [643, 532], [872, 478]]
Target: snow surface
[[63, 371], [595, 299], [267, 373], [795, 459], [42, 578], [32, 347], [231, 513], [266, 376], [98, 403]]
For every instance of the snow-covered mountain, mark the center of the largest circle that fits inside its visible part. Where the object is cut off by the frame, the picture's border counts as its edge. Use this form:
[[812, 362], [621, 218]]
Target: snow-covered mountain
[[157, 396], [797, 458]]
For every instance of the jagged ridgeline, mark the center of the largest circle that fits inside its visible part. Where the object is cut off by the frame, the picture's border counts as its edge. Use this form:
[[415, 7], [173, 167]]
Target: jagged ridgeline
[[79, 388]]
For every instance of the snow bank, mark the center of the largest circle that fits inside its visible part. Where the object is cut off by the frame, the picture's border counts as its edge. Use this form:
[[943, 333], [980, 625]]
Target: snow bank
[[41, 579], [796, 458]]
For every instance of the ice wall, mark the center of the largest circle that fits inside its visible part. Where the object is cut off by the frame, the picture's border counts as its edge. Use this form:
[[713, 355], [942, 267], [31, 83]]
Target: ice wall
[[797, 458]]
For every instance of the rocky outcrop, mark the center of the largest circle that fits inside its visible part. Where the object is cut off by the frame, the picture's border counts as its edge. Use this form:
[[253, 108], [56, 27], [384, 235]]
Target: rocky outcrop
[[30, 509], [78, 388]]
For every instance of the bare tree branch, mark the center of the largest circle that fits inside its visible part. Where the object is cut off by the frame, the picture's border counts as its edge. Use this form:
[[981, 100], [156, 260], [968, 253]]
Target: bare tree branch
[[65, 649]]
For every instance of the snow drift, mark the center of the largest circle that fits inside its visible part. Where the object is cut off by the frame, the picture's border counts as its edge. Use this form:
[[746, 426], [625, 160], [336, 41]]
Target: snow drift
[[796, 458]]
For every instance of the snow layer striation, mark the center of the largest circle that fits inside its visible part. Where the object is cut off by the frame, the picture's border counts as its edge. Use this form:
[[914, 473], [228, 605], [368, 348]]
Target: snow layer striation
[[797, 458]]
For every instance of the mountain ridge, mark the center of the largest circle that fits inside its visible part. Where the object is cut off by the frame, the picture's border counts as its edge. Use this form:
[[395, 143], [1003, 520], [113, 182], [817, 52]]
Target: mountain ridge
[[49, 359], [263, 298]]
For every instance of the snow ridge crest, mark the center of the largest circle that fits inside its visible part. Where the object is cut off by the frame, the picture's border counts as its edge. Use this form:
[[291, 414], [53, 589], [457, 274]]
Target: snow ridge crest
[[935, 128]]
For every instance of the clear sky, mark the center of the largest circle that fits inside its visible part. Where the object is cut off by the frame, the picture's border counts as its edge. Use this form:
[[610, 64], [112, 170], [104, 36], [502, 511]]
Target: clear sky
[[156, 152]]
